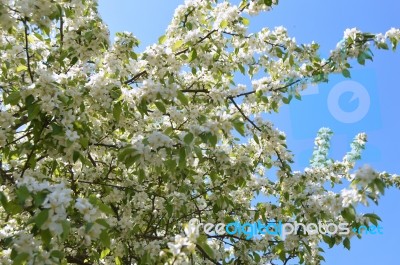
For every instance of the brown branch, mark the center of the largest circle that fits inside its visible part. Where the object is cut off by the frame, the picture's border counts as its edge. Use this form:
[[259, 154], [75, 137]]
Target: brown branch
[[199, 41], [92, 160], [135, 77], [30, 155], [283, 163], [243, 114], [107, 185], [106, 145], [61, 30], [195, 91], [274, 90], [28, 57]]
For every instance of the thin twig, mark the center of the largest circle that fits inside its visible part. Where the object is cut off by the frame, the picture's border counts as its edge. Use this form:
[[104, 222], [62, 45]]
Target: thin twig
[[243, 114], [28, 57]]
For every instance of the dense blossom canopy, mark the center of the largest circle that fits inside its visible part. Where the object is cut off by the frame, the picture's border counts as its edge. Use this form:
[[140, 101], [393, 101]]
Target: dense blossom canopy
[[107, 153]]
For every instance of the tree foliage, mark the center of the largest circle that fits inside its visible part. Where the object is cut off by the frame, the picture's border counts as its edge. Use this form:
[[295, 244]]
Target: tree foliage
[[107, 153]]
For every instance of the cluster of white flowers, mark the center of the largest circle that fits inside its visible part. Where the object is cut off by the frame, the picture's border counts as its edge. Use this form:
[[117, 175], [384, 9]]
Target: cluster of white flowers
[[224, 13], [393, 33], [352, 33], [257, 6], [183, 245], [90, 213], [350, 197], [365, 175], [321, 149], [158, 139], [357, 146]]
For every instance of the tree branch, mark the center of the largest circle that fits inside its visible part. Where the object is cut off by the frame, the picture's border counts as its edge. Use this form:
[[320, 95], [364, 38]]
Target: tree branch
[[28, 57], [243, 114]]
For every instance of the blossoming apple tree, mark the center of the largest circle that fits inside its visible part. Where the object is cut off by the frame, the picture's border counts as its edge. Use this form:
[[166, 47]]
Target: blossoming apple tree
[[107, 153]]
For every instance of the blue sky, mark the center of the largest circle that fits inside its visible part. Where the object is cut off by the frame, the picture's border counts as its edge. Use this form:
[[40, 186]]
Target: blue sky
[[378, 94]]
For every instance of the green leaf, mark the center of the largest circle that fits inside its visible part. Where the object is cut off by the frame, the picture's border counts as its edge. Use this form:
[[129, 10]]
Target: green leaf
[[105, 208], [88, 226], [239, 126], [346, 73], [346, 243], [117, 111], [380, 185], [41, 218], [57, 129], [177, 45], [74, 60], [268, 2], [124, 152], [199, 152], [160, 106], [361, 59], [383, 45], [274, 106], [285, 100], [84, 142], [297, 95], [241, 68], [22, 194], [20, 259], [3, 199], [264, 99], [33, 111], [255, 137], [46, 236], [162, 39], [329, 240], [13, 98], [66, 229], [188, 139], [206, 248], [103, 222], [349, 214], [245, 21], [182, 157], [223, 24], [130, 160], [105, 238], [57, 254], [29, 100], [142, 176], [213, 140], [291, 60], [118, 261], [75, 156], [104, 253], [256, 257], [373, 218], [192, 55], [279, 52], [182, 98], [39, 198], [21, 68], [170, 208]]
